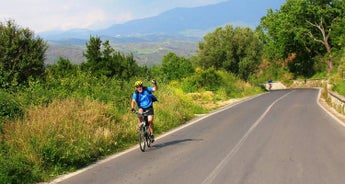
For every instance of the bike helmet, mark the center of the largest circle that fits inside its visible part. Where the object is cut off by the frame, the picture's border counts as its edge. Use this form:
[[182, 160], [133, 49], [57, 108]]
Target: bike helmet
[[138, 83]]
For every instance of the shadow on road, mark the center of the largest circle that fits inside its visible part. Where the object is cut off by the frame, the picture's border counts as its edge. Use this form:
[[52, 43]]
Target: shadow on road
[[172, 143]]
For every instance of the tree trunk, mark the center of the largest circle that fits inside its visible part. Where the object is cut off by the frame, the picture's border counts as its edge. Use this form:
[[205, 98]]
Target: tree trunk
[[324, 41]]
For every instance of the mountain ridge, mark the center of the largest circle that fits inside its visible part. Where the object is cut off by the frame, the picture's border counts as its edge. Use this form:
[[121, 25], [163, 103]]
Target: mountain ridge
[[147, 38], [178, 22]]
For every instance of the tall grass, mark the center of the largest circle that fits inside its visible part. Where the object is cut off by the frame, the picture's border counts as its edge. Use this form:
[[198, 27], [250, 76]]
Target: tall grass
[[67, 134]]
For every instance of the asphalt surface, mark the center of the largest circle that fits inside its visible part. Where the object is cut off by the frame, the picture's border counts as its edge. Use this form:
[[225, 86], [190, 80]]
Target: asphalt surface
[[280, 137]]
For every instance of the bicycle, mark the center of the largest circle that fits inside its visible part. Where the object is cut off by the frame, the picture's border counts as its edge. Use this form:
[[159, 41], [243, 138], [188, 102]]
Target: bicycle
[[143, 133]]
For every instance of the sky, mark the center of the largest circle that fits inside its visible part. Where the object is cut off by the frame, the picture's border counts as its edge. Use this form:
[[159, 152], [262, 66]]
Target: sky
[[47, 15]]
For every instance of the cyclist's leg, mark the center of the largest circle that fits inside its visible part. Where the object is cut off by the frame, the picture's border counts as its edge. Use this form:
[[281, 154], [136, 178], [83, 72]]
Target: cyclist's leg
[[150, 120], [151, 128], [140, 110]]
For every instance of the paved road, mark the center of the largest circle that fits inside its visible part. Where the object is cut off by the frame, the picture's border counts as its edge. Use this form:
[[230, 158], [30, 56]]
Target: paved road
[[280, 137]]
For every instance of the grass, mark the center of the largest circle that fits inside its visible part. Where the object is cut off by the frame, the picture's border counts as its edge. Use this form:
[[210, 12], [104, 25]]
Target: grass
[[67, 134], [339, 87]]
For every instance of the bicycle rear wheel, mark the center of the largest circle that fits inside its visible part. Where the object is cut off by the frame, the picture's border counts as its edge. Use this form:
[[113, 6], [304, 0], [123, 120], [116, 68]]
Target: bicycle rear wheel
[[142, 140]]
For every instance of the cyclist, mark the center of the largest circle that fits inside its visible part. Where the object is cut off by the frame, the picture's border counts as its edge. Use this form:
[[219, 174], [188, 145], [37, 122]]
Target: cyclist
[[269, 84], [143, 97]]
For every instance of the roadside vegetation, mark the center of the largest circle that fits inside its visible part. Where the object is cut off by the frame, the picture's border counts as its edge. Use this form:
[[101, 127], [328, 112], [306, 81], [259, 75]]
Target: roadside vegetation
[[60, 117]]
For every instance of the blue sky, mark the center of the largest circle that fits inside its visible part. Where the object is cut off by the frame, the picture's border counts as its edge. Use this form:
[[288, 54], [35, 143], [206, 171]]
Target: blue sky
[[44, 15]]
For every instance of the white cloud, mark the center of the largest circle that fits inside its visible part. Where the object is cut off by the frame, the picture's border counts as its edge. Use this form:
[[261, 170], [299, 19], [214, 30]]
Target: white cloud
[[43, 15]]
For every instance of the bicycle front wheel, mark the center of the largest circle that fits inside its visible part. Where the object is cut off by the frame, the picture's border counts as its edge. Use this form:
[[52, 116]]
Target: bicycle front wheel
[[148, 140], [142, 140]]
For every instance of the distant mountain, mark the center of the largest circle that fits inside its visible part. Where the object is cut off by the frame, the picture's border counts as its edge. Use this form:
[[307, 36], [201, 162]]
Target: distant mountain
[[178, 23], [181, 21], [149, 39]]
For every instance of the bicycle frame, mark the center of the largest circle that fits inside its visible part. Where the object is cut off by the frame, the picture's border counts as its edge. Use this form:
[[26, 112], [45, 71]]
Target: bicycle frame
[[143, 133]]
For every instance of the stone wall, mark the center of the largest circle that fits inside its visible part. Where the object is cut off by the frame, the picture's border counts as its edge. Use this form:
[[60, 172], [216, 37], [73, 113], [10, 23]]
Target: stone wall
[[310, 83], [336, 101]]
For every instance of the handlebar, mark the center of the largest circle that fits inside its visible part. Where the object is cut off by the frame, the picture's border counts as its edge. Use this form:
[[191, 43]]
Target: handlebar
[[145, 113]]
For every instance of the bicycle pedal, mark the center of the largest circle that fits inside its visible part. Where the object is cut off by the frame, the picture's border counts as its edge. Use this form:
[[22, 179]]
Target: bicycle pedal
[[152, 138]]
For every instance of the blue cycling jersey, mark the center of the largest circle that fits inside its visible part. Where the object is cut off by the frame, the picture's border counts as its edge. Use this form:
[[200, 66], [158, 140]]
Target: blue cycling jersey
[[144, 100]]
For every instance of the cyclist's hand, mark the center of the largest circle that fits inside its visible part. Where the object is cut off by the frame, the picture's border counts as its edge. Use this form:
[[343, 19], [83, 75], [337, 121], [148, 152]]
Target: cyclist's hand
[[154, 81], [133, 110]]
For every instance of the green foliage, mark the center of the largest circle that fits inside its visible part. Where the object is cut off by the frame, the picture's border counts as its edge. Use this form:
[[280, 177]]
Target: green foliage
[[103, 60], [307, 36], [63, 68], [223, 84], [22, 55], [205, 79], [175, 68], [337, 78], [339, 87], [18, 169], [10, 108], [237, 50], [338, 34]]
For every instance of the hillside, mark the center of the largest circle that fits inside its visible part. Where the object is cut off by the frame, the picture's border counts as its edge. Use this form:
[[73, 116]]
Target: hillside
[[145, 53]]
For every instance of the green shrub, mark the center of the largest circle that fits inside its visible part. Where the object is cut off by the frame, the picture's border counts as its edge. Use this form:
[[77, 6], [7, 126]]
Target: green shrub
[[9, 107], [208, 80], [339, 87], [18, 169]]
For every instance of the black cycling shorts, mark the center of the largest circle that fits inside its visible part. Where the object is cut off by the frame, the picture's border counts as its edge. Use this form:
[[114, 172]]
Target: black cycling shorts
[[150, 109]]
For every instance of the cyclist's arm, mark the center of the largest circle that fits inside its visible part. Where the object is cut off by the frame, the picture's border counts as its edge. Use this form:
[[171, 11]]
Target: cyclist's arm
[[155, 86], [133, 104]]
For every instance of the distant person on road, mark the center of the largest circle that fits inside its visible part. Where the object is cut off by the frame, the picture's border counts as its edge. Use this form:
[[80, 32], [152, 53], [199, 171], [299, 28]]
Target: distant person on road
[[144, 99], [269, 84]]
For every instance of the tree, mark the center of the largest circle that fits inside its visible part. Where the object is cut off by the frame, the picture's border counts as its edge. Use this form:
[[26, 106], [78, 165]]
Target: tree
[[237, 50], [175, 67], [324, 16], [22, 55], [300, 27], [63, 68], [124, 66], [103, 60], [93, 56], [338, 31]]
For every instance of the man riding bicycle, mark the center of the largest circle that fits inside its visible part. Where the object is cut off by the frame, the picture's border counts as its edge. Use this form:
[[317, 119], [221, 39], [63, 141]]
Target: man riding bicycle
[[143, 97]]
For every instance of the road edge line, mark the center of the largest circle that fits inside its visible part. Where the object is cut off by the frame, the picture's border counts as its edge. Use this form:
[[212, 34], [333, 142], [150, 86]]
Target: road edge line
[[327, 111]]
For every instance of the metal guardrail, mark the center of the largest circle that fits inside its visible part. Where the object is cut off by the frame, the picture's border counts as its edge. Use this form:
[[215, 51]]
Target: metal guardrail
[[337, 96]]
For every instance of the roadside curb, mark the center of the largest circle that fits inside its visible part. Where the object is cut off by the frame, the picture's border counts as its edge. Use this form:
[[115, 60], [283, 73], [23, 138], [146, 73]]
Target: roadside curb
[[340, 118]]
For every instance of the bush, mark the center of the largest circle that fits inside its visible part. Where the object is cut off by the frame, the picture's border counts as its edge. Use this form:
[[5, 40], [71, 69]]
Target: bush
[[18, 169], [208, 80], [339, 87], [9, 107]]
